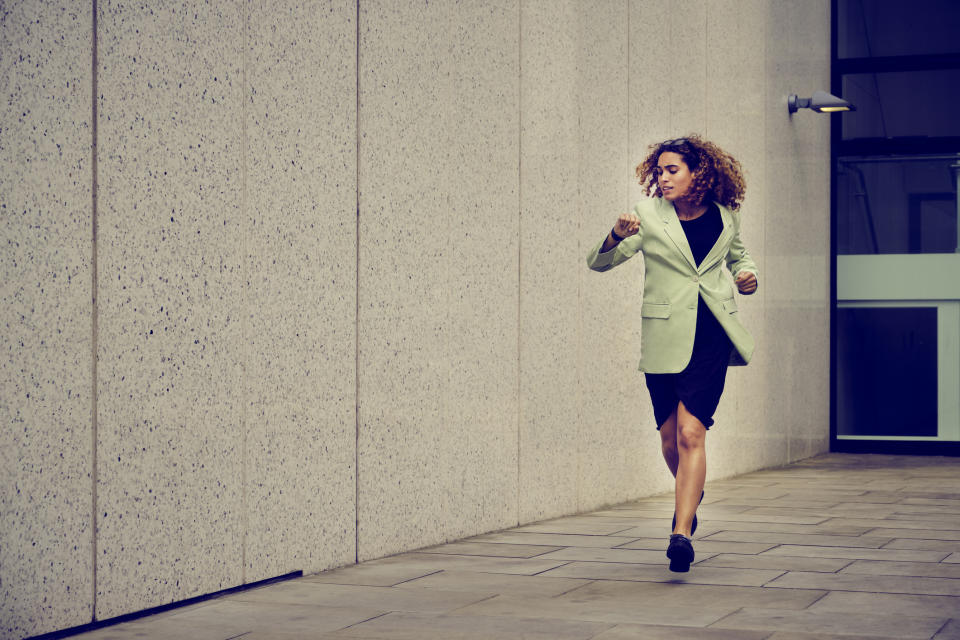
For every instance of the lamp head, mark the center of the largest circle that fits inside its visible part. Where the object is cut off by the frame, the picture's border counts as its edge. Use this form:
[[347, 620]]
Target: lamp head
[[821, 102]]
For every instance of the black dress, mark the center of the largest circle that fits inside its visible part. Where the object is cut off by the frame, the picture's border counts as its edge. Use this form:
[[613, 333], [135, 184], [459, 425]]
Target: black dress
[[700, 384]]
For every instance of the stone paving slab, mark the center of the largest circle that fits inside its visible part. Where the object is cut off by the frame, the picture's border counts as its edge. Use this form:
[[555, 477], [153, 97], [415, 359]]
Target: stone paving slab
[[872, 583], [660, 573], [813, 540], [836, 546], [857, 553], [472, 548], [950, 631], [597, 611], [704, 546], [541, 585], [556, 541], [381, 599], [872, 625], [623, 556], [655, 595], [407, 626], [889, 568], [783, 563], [888, 604], [947, 546], [662, 632]]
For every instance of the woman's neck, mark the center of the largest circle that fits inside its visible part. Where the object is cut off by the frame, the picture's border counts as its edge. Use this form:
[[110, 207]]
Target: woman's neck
[[689, 210]]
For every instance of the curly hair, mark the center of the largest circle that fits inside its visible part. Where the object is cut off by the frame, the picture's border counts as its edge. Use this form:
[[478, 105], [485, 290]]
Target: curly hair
[[717, 175]]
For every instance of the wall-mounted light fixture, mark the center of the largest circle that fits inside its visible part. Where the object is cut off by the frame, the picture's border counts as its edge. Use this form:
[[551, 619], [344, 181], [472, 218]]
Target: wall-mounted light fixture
[[821, 102]]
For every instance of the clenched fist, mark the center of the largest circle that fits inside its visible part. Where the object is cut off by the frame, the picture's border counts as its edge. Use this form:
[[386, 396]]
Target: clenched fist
[[746, 282], [627, 225]]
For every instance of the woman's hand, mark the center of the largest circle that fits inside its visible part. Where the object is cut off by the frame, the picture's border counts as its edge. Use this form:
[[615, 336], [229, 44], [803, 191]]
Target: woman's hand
[[746, 282], [627, 225]]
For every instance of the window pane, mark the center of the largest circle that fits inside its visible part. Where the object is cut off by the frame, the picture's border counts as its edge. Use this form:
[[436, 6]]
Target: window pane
[[872, 28], [890, 105], [887, 371], [897, 205]]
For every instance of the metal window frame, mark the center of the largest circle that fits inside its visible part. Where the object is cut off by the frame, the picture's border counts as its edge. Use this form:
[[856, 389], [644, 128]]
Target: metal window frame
[[839, 67]]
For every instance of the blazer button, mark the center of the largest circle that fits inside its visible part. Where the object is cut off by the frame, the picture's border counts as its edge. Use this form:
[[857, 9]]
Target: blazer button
[[695, 279]]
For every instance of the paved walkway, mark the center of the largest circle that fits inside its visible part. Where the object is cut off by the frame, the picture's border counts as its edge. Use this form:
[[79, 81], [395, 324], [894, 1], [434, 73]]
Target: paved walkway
[[837, 546]]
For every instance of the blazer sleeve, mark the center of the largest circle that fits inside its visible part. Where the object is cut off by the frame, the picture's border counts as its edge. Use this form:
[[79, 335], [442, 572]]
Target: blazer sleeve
[[627, 248], [738, 258]]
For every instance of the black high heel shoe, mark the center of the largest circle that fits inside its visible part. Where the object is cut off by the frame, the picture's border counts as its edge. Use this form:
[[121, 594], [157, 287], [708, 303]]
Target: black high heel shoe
[[693, 527]]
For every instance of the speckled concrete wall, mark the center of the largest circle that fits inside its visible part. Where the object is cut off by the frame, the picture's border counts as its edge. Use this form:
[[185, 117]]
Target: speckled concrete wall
[[438, 296], [342, 307], [46, 537]]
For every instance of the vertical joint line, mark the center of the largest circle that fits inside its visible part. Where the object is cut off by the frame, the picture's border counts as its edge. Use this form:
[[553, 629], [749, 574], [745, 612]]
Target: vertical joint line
[[244, 377], [356, 317], [519, 245], [94, 320]]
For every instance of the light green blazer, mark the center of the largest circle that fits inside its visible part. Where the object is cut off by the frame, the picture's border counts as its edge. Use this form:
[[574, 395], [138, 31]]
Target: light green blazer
[[673, 283]]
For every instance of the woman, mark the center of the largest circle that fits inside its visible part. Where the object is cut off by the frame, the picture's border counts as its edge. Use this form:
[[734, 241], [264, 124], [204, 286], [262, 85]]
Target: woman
[[690, 331]]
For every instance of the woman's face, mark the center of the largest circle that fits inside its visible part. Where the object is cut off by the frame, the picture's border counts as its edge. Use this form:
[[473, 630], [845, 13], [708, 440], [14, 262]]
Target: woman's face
[[673, 176]]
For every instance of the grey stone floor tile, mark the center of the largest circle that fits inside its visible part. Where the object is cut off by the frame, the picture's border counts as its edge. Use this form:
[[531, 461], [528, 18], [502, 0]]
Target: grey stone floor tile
[[915, 510], [474, 548], [703, 546], [658, 529], [407, 626], [816, 540], [227, 619], [554, 540], [663, 632], [606, 593], [918, 569], [758, 494], [377, 573], [949, 506], [440, 561], [937, 520], [872, 583], [784, 516], [888, 604], [950, 631], [799, 635], [379, 598], [659, 513], [782, 563], [266, 616], [565, 608], [580, 528], [855, 553], [824, 622], [495, 583], [651, 573], [833, 526], [625, 556], [946, 546], [919, 534]]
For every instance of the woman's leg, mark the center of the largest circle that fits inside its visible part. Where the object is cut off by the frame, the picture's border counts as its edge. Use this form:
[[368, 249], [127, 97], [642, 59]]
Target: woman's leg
[[691, 468], [668, 443]]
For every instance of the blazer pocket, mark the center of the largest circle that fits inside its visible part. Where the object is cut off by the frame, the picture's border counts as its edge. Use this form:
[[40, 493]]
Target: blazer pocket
[[730, 305], [655, 310]]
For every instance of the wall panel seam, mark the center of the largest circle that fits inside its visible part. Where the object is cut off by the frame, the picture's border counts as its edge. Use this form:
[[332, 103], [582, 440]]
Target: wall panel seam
[[356, 316], [245, 355], [94, 318], [519, 249]]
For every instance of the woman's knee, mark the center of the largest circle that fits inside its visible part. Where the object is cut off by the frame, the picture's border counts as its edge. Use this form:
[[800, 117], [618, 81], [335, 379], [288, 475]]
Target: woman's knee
[[691, 435]]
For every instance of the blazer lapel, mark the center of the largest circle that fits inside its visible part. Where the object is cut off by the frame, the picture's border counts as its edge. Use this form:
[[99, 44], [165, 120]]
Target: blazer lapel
[[723, 242], [673, 230]]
